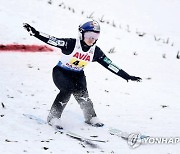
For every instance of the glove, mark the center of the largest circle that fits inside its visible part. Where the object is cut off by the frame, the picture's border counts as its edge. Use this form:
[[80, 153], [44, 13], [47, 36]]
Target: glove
[[134, 78], [32, 31]]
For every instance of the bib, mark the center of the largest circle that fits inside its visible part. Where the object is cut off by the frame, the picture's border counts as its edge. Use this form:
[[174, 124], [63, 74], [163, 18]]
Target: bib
[[78, 59]]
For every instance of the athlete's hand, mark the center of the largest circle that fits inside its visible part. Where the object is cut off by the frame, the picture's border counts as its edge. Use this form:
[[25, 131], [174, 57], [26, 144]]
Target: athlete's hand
[[32, 31], [134, 78]]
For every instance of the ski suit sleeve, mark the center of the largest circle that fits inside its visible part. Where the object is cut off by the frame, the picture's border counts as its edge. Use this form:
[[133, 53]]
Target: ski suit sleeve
[[51, 40], [65, 44], [102, 59]]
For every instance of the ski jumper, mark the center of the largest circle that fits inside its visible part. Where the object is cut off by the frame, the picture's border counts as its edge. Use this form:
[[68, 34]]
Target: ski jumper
[[68, 74]]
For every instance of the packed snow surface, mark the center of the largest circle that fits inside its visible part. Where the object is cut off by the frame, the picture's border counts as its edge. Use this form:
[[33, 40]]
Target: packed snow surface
[[141, 37]]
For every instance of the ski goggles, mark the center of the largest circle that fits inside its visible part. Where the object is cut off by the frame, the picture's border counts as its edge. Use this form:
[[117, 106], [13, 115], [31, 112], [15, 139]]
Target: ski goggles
[[91, 35]]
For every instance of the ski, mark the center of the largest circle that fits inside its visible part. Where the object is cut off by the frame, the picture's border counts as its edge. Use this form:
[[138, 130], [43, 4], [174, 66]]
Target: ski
[[130, 137], [85, 140], [119, 133], [127, 136], [32, 117]]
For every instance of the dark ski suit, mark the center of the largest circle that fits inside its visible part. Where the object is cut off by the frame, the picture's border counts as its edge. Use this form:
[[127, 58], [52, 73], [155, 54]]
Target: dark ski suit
[[71, 81]]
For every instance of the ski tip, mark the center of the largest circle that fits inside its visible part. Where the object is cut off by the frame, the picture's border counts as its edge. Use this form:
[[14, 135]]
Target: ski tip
[[144, 136]]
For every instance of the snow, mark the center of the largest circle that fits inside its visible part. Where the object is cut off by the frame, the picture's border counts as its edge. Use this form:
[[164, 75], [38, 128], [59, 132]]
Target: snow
[[150, 107]]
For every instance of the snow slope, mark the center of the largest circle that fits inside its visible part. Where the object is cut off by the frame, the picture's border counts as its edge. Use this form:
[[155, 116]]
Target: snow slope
[[150, 107]]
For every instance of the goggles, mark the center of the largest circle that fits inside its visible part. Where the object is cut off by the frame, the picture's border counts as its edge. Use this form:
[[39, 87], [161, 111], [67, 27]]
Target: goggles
[[91, 35]]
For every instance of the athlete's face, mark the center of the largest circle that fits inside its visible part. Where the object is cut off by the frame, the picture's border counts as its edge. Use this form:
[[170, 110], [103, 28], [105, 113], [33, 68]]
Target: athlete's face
[[90, 38]]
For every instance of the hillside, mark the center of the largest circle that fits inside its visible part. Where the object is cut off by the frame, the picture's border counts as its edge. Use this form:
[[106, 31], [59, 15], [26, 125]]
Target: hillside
[[140, 37]]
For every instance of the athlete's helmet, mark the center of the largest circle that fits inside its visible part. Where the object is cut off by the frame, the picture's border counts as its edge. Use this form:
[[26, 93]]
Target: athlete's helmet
[[92, 26]]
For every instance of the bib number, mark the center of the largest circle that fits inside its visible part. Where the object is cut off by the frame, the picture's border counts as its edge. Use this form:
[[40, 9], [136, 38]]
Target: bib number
[[78, 63]]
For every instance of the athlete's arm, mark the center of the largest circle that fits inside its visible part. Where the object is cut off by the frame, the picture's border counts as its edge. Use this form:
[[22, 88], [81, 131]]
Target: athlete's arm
[[102, 59], [65, 44]]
